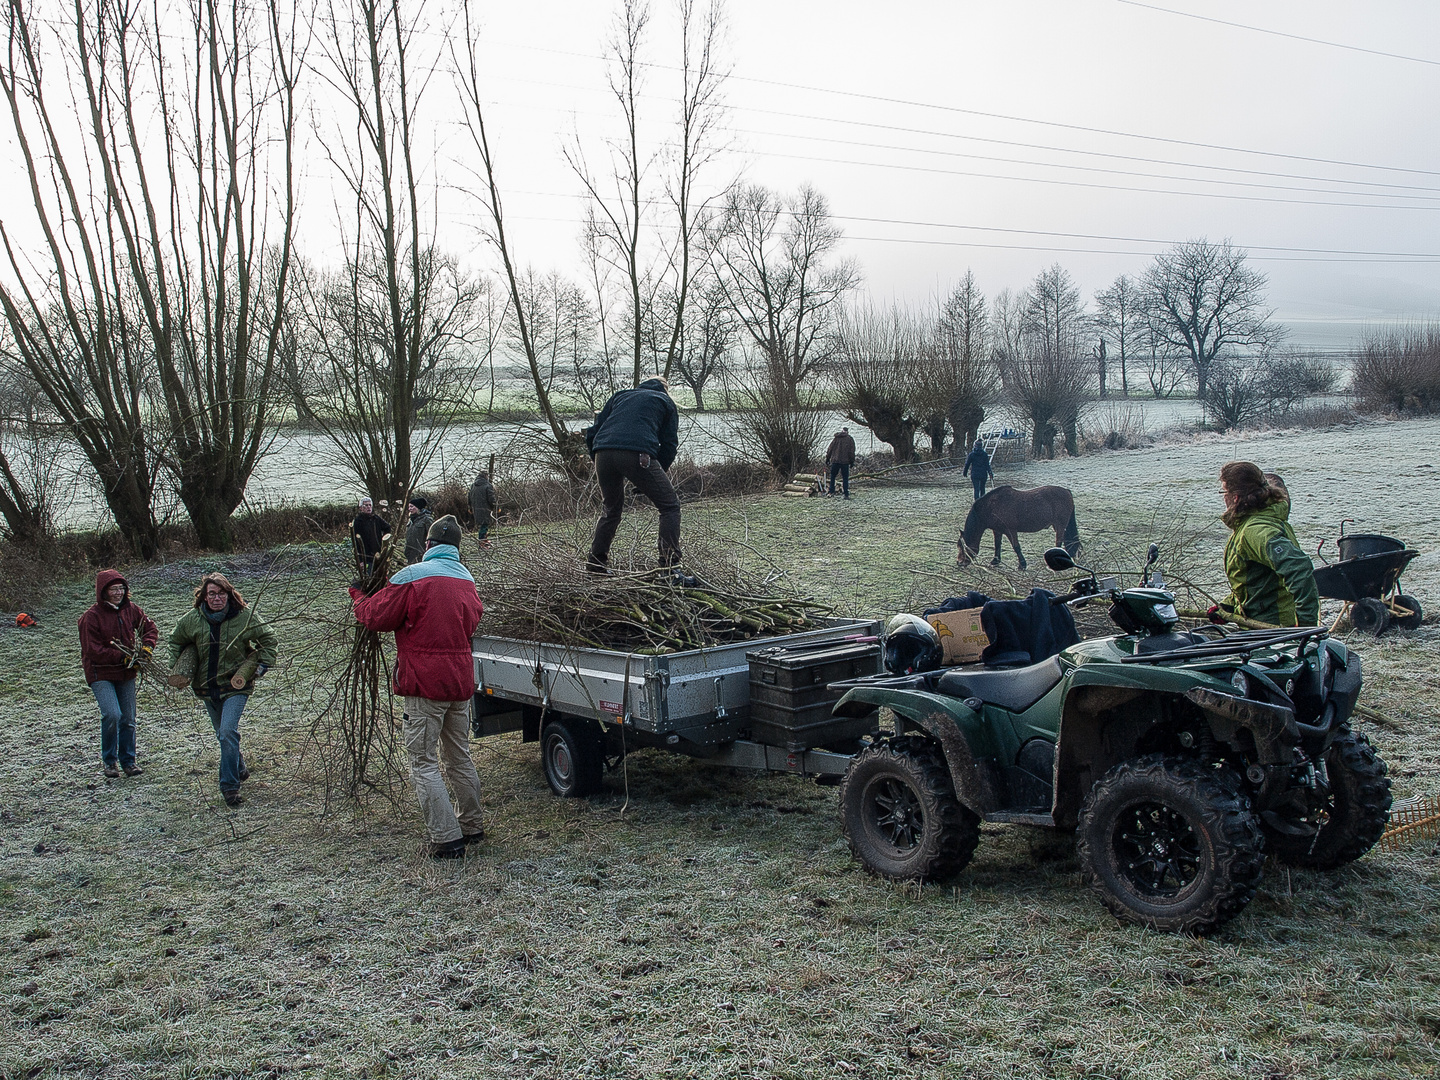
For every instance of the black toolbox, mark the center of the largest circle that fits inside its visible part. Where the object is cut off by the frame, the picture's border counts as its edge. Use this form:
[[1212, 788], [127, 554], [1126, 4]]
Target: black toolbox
[[790, 698]]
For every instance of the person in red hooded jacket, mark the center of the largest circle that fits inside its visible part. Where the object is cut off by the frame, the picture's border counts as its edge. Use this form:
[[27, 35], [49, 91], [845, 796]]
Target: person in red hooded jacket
[[433, 608], [115, 635]]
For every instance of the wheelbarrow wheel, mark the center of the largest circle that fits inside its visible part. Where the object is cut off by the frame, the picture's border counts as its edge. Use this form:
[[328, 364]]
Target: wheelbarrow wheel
[[1411, 621], [1369, 616]]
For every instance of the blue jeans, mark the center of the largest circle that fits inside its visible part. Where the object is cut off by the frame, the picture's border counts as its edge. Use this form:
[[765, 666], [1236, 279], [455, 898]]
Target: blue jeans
[[225, 716], [979, 486], [117, 720]]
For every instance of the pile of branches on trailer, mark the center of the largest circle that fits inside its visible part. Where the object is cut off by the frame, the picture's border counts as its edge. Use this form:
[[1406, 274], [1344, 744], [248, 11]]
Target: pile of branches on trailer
[[540, 591]]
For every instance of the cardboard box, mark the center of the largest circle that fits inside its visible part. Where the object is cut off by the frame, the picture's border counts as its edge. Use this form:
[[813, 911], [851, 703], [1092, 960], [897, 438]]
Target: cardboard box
[[961, 635]]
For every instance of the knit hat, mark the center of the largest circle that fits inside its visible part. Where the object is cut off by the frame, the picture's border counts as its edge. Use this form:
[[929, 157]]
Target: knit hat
[[445, 531], [418, 502]]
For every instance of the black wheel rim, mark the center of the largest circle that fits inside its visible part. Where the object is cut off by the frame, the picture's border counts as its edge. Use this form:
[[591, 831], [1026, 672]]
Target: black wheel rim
[[894, 815], [562, 766], [1156, 849]]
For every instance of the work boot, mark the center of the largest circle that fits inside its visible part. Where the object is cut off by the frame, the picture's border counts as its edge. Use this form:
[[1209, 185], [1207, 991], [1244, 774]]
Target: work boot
[[232, 797], [455, 849], [112, 770], [476, 837], [595, 566], [132, 769]]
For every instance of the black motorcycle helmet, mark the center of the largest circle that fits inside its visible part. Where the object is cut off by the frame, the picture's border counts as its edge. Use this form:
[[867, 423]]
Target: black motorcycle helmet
[[911, 644]]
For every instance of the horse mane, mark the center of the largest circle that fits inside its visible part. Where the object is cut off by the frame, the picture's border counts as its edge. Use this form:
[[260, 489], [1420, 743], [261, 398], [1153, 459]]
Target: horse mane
[[974, 527]]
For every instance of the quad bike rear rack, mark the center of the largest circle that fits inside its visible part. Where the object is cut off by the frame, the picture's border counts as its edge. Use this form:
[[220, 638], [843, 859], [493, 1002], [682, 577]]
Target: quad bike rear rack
[[1243, 644]]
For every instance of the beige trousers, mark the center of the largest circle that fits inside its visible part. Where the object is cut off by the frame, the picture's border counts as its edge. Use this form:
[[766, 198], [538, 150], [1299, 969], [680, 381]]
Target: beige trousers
[[437, 731]]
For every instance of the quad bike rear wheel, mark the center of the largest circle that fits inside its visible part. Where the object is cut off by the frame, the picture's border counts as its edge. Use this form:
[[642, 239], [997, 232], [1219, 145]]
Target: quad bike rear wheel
[[1170, 843], [1344, 821], [900, 813]]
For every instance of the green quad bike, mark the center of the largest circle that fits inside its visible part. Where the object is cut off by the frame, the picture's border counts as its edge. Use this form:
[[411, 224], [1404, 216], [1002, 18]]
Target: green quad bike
[[1179, 759]]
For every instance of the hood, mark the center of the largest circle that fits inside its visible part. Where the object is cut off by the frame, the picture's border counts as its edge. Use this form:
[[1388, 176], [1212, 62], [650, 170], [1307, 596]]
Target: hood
[[104, 579], [652, 384], [441, 551]]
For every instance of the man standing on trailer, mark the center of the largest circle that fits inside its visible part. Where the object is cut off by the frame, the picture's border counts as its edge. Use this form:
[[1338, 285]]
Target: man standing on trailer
[[635, 438], [433, 608]]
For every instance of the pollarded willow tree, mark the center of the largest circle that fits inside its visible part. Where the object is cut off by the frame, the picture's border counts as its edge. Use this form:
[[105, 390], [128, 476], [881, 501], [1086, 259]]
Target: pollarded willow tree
[[161, 171]]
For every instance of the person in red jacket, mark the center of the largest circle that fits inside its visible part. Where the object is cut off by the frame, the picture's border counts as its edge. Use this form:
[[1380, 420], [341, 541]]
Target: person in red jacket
[[115, 636], [433, 608]]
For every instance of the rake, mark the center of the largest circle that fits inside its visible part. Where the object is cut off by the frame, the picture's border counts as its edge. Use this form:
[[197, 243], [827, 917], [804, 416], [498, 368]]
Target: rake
[[1412, 819]]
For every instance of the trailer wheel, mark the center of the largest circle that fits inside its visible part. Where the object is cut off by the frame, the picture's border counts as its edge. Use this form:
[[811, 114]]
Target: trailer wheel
[[572, 754], [1416, 616], [1369, 616], [900, 812]]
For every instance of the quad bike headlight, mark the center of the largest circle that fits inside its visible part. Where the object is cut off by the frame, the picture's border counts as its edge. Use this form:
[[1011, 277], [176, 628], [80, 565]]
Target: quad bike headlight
[[1241, 682]]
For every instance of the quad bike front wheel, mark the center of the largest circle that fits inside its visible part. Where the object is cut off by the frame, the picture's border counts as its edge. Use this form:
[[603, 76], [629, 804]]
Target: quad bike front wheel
[[1171, 844], [900, 813], [1343, 821]]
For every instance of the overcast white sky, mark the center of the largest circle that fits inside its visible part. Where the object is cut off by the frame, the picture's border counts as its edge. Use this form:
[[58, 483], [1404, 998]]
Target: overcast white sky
[[1000, 136], [1005, 136]]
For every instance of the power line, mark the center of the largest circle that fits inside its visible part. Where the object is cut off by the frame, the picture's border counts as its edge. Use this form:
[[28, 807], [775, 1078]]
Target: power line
[[1282, 34]]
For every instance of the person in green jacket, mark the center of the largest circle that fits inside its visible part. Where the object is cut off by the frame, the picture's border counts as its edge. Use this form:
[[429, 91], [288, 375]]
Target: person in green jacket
[[1271, 579], [232, 648]]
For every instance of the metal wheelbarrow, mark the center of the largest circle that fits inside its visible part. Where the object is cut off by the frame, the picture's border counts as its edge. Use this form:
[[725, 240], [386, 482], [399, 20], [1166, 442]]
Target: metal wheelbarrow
[[1367, 579]]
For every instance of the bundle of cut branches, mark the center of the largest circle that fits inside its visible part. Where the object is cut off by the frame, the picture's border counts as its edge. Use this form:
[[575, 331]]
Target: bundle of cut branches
[[540, 591], [354, 738]]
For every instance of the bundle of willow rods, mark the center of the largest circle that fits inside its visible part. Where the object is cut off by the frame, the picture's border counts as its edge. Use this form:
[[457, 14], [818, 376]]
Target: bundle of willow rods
[[540, 591], [355, 736]]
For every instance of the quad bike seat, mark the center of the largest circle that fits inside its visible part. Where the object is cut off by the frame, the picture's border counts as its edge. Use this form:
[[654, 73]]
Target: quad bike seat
[[1015, 689]]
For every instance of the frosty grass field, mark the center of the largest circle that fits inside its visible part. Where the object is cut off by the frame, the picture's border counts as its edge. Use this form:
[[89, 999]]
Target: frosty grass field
[[691, 921]]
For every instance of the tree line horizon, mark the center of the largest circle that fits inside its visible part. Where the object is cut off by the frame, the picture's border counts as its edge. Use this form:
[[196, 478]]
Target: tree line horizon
[[167, 318]]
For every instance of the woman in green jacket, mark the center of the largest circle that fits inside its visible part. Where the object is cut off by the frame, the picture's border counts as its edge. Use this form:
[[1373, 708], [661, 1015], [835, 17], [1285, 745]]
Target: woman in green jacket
[[1271, 579], [233, 647]]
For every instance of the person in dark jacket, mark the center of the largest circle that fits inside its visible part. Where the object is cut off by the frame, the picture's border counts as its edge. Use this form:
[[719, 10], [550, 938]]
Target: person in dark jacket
[[482, 506], [115, 637], [635, 438], [433, 608], [977, 467], [232, 647], [420, 521], [839, 457], [367, 532]]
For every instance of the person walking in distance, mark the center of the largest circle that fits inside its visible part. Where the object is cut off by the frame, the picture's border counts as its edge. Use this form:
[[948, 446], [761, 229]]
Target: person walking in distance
[[635, 438], [233, 648], [433, 608], [977, 467], [419, 527], [115, 637], [367, 532], [839, 457], [482, 506]]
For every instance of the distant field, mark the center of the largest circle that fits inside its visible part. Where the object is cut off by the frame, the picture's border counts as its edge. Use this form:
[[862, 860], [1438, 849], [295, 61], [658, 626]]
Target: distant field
[[692, 922]]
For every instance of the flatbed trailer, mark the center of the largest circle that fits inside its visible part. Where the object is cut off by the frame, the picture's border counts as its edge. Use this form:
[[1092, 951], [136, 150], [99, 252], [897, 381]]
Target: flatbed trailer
[[590, 707]]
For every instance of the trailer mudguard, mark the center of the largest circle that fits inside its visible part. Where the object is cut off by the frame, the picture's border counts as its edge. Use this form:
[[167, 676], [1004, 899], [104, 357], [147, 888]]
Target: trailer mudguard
[[968, 743]]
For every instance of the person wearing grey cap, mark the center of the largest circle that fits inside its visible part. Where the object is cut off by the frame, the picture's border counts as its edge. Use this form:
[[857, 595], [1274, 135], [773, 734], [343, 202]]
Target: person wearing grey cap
[[433, 609]]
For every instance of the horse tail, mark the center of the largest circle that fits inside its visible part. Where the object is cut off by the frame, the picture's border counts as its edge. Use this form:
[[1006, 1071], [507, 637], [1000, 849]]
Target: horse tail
[[1072, 536]]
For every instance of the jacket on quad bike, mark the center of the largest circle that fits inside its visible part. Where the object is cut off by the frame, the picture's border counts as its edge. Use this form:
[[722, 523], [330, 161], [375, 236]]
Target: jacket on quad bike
[[1271, 579]]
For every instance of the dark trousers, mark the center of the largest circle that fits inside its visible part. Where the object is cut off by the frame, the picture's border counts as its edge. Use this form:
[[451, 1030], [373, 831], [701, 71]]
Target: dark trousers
[[612, 469], [979, 482], [842, 469]]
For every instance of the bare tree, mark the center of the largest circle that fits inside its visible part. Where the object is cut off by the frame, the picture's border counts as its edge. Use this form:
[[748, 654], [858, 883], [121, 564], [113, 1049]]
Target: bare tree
[[569, 446], [1201, 300], [1039, 345], [774, 261], [394, 327], [1120, 316], [709, 336], [876, 371], [29, 457], [961, 372], [166, 266]]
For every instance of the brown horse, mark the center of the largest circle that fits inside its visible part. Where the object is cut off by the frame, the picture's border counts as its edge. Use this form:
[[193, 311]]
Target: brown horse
[[1009, 512]]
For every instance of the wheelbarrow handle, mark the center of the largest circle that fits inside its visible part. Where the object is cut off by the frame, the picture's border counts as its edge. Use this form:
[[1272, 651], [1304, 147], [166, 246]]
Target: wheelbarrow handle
[[1318, 553]]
